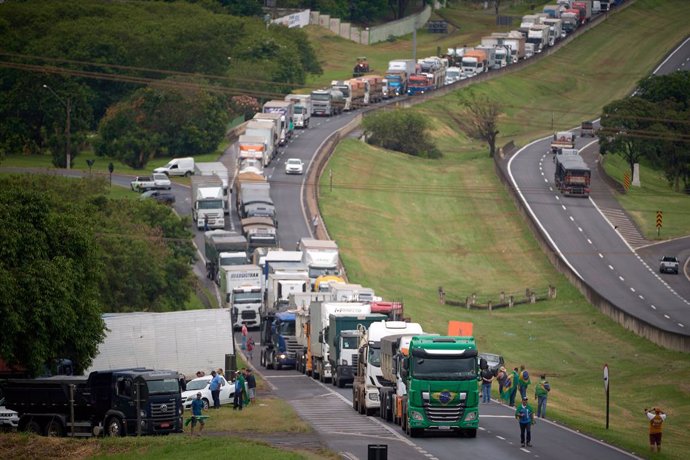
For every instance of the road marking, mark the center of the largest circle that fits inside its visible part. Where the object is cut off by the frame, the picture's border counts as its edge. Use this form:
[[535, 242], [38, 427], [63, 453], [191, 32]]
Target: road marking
[[621, 278], [632, 289], [572, 219], [563, 206], [580, 229], [589, 241], [611, 267], [667, 317], [601, 256], [653, 307]]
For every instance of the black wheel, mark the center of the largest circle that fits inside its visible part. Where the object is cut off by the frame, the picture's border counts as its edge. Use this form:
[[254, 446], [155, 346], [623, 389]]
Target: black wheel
[[114, 427], [33, 427], [206, 404], [278, 366], [339, 383], [187, 174], [54, 429], [471, 433]]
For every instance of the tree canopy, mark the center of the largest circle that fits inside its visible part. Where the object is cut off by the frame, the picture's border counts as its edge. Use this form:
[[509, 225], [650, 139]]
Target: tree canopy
[[400, 130], [70, 254], [652, 125]]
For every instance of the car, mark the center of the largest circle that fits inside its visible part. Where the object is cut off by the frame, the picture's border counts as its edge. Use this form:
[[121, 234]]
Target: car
[[202, 385], [294, 166], [158, 195], [9, 419], [156, 181], [494, 361], [669, 264]]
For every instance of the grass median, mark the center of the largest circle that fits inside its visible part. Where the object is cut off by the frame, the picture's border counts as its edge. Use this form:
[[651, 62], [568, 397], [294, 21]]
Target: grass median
[[407, 226]]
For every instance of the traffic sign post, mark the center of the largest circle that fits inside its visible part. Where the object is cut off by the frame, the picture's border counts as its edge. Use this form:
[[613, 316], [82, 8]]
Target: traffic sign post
[[606, 387], [659, 221]]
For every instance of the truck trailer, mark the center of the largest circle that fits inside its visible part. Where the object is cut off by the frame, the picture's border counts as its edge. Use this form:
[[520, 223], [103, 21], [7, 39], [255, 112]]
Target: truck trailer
[[223, 248]]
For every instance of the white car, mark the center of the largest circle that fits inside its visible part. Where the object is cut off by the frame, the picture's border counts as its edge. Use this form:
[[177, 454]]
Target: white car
[[9, 419], [202, 385], [294, 166]]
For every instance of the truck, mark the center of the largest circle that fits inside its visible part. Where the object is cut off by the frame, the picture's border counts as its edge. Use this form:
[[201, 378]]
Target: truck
[[279, 123], [300, 302], [570, 20], [110, 402], [208, 202], [279, 347], [211, 168], [343, 336], [555, 30], [223, 248], [503, 56], [474, 62], [286, 109], [302, 109], [490, 51], [585, 9], [269, 135], [438, 384], [319, 318], [185, 341], [514, 41], [252, 148], [242, 292], [349, 292], [587, 129], [554, 11], [328, 102], [453, 74], [320, 257], [283, 279], [373, 89], [353, 92], [260, 231], [572, 176], [398, 73], [562, 140], [530, 50], [253, 196], [420, 83], [368, 377], [434, 66], [538, 35]]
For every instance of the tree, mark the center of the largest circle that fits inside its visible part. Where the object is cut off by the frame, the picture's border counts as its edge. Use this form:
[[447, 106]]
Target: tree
[[402, 131], [50, 272], [481, 120], [627, 129]]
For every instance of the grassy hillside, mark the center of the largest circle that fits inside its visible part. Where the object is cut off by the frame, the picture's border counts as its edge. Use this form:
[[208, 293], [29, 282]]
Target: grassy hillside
[[407, 226]]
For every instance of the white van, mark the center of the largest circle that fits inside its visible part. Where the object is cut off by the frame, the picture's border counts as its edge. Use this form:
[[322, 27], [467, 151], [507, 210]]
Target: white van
[[178, 167]]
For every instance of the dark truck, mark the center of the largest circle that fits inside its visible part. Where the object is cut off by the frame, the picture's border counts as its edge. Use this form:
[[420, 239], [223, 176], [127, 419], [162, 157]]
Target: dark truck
[[572, 176], [115, 403]]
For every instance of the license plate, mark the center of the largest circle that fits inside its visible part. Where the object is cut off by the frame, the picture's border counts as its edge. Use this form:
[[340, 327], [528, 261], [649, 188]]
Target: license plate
[[444, 428], [165, 425]]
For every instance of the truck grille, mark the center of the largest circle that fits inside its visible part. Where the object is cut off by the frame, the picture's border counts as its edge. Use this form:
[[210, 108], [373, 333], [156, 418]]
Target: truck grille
[[293, 348], [444, 414], [164, 409], [355, 361], [249, 314]]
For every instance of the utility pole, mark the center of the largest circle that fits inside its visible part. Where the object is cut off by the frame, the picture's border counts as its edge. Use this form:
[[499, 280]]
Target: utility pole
[[68, 125]]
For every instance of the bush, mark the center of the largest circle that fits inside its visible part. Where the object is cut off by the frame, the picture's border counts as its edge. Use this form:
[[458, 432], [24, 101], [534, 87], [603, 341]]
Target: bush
[[402, 131]]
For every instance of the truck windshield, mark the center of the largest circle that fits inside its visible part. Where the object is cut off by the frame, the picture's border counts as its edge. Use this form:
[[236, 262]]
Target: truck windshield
[[287, 328], [469, 63], [227, 261], [247, 297], [445, 368], [163, 386], [374, 356], [349, 343], [343, 89], [320, 97], [315, 272], [210, 204]]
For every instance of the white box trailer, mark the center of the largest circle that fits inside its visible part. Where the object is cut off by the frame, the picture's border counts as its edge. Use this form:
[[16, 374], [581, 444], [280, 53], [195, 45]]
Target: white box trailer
[[184, 341], [211, 168]]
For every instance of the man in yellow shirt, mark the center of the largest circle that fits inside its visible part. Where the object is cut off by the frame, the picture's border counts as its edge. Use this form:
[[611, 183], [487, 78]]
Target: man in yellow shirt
[[656, 421]]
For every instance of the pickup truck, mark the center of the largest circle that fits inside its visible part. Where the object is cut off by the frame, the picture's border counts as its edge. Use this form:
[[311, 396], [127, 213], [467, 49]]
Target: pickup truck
[[157, 181], [669, 264]]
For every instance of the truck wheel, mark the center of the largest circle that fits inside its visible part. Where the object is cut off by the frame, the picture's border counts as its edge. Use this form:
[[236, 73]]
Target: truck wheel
[[471, 433], [340, 384], [54, 429], [114, 427], [33, 427], [187, 174]]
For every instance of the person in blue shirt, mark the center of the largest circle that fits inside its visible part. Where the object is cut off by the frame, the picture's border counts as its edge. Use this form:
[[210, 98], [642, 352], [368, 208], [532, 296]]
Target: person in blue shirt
[[197, 407], [216, 382], [525, 416]]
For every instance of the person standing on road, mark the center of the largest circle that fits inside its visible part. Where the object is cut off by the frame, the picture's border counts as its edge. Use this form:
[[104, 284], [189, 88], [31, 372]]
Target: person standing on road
[[251, 385], [245, 332], [656, 421], [250, 349], [206, 228], [541, 392], [523, 381], [315, 224], [525, 417], [215, 389], [487, 378]]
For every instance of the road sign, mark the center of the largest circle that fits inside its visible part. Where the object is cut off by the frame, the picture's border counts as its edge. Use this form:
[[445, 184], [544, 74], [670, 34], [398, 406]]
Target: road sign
[[626, 181], [659, 218]]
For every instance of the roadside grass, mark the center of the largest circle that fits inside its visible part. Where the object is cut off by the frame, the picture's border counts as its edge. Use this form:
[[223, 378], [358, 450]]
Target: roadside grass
[[653, 194], [406, 226]]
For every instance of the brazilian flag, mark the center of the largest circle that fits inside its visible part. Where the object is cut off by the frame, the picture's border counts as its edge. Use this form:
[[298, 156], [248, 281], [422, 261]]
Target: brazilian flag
[[524, 378], [507, 387]]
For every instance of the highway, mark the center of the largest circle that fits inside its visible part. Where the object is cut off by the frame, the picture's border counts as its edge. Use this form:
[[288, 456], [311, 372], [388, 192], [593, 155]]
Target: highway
[[589, 243]]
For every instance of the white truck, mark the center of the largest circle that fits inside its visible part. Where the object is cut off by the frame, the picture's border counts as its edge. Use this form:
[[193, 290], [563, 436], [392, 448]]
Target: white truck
[[252, 148], [208, 202], [348, 292], [302, 109], [319, 313], [267, 132], [320, 257], [286, 110], [184, 341], [555, 30], [279, 124], [369, 378], [282, 280], [242, 293], [177, 167], [216, 168], [538, 35], [299, 303]]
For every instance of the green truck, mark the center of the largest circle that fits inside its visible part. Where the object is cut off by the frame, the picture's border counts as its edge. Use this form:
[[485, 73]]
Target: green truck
[[440, 386]]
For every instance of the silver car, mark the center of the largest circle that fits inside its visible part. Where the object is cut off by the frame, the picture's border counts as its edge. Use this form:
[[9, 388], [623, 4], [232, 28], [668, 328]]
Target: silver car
[[294, 166]]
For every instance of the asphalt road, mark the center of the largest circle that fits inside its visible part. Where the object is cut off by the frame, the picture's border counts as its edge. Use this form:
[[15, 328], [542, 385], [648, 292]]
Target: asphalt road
[[595, 250]]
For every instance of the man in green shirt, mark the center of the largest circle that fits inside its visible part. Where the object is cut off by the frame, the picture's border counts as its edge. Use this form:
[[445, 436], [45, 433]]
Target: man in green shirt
[[541, 392]]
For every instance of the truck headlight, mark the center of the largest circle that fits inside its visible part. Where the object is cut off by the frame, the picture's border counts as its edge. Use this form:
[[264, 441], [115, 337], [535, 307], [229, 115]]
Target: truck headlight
[[282, 356], [142, 414], [417, 416], [470, 416], [373, 396]]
